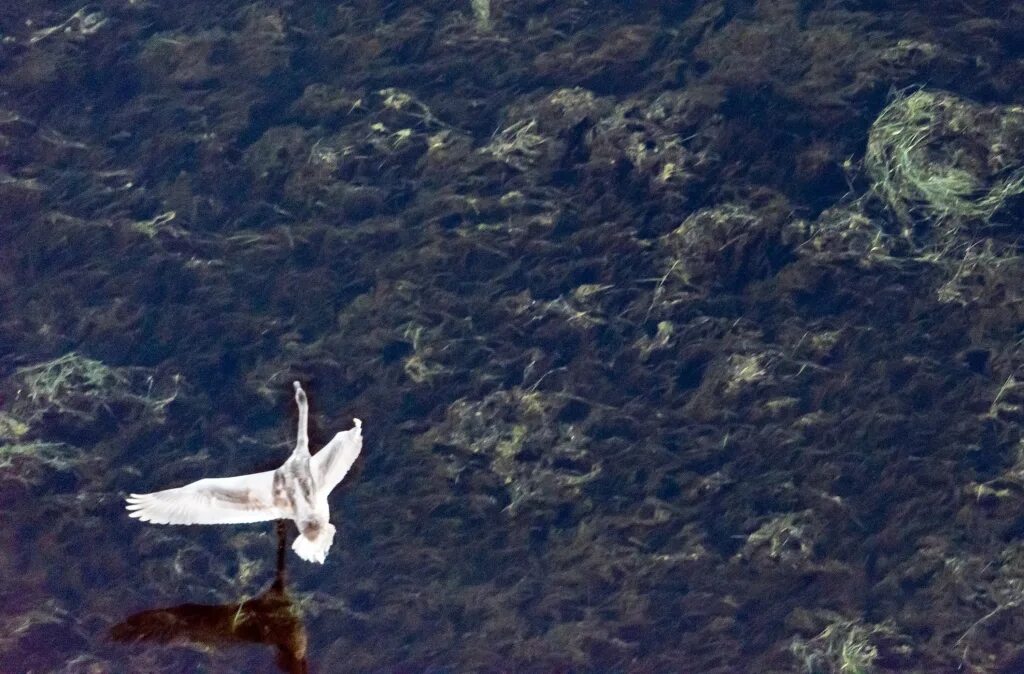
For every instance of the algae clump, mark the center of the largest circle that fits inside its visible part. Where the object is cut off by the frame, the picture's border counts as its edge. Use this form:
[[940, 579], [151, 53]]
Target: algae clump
[[939, 159]]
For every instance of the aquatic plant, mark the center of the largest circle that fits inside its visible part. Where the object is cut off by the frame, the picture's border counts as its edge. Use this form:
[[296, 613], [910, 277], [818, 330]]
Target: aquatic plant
[[78, 386], [539, 457], [848, 647], [25, 462], [482, 13], [938, 158]]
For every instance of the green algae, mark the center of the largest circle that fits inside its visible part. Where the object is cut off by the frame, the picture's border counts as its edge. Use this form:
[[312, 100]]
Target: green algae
[[78, 386], [944, 159]]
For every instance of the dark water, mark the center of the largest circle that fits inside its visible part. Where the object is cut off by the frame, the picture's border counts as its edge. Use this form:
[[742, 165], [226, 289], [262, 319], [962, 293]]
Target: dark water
[[686, 335]]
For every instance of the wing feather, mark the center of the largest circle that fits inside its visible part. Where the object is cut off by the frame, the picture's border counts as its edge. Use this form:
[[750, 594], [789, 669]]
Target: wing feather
[[223, 500], [333, 462]]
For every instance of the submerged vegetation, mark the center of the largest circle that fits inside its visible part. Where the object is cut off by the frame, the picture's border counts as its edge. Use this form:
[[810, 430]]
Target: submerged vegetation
[[73, 385], [688, 333], [942, 161]]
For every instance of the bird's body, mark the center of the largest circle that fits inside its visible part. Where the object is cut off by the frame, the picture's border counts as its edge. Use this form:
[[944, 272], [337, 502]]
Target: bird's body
[[297, 490]]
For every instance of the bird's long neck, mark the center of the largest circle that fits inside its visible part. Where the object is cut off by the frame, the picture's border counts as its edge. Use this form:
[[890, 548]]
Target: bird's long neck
[[302, 441]]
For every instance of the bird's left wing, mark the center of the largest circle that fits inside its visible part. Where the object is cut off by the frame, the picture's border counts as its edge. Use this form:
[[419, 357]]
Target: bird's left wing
[[222, 500]]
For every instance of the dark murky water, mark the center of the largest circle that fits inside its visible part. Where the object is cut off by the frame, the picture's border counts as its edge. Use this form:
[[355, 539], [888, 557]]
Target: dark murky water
[[686, 335]]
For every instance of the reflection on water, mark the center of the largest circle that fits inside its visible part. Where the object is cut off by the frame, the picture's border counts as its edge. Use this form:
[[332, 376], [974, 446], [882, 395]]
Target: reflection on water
[[271, 618]]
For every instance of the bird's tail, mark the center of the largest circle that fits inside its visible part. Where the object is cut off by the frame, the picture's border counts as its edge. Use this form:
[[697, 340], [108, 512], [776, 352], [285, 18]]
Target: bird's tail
[[315, 549]]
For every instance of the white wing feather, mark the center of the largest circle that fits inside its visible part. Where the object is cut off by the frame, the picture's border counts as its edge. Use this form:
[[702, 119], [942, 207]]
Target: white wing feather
[[333, 462], [223, 500]]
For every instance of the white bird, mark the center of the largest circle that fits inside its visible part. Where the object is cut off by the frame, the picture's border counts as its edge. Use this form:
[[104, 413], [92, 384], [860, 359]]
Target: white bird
[[297, 490]]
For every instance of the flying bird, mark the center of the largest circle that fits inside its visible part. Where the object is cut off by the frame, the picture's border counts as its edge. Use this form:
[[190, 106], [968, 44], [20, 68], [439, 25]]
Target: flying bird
[[297, 491]]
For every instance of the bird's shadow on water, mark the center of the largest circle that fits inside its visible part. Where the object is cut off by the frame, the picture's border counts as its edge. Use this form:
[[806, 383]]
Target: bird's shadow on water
[[270, 618]]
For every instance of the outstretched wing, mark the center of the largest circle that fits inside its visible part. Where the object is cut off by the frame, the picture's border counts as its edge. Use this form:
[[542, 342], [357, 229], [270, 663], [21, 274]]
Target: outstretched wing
[[222, 500], [331, 463]]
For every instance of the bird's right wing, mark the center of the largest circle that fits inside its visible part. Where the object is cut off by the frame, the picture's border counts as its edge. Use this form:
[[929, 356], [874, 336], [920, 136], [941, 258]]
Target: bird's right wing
[[222, 500], [331, 463]]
